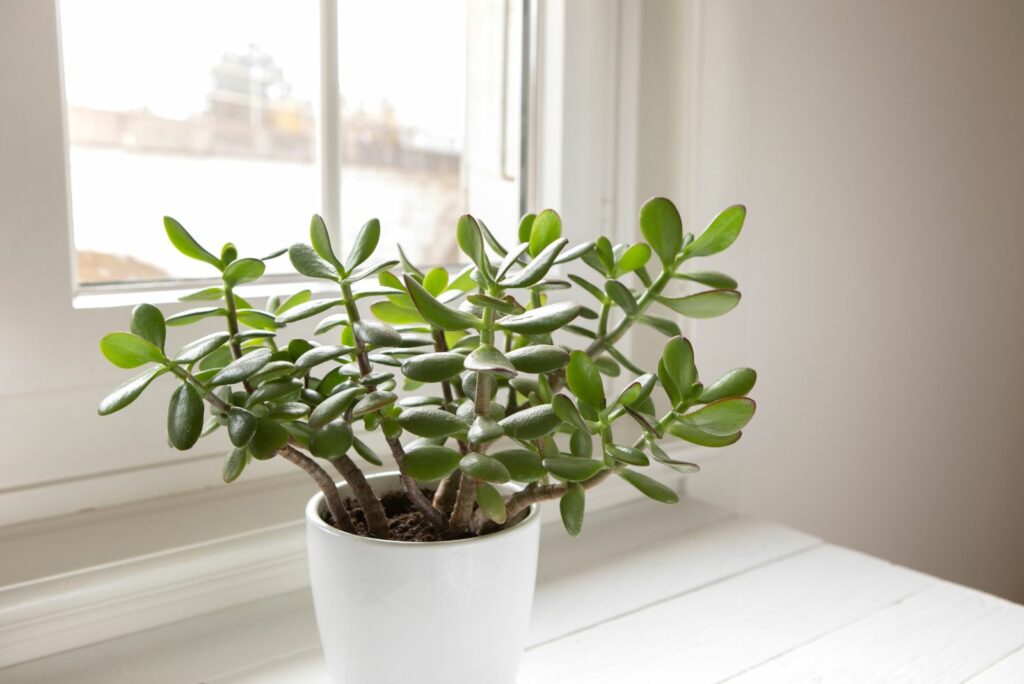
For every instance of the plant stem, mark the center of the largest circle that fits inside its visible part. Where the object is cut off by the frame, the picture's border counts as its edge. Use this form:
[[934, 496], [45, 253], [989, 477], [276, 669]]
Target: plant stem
[[643, 302], [463, 509], [447, 491], [335, 506], [236, 346], [413, 491], [536, 493], [373, 509]]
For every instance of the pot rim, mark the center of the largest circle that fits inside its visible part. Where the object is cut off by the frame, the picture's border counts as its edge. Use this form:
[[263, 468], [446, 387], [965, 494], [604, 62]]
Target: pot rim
[[313, 517]]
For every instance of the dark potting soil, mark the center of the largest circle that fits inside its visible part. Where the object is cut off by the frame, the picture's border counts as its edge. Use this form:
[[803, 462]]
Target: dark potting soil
[[404, 521]]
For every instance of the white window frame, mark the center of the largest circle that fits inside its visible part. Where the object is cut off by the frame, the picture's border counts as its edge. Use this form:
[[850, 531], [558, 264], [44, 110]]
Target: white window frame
[[60, 456], [582, 160]]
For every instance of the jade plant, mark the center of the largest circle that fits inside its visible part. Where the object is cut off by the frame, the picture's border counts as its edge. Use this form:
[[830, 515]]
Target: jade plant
[[495, 374]]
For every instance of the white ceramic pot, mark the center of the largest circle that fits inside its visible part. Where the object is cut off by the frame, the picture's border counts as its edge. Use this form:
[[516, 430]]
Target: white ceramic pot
[[451, 612]]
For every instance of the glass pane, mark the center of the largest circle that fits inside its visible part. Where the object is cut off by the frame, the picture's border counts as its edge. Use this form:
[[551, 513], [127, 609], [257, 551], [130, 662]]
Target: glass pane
[[198, 109], [429, 120]]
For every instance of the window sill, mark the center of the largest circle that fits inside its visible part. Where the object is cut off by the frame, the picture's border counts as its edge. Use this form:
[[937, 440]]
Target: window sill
[[100, 575], [648, 594]]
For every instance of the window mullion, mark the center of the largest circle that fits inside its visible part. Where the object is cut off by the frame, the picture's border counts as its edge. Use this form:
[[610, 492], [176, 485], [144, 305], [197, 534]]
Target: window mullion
[[330, 119]]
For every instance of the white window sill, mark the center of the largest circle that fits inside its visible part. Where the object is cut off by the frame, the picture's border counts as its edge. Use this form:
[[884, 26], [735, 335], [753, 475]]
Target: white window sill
[[648, 594]]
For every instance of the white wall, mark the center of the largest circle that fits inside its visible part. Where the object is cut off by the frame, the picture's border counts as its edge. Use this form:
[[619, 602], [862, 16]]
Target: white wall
[[879, 147]]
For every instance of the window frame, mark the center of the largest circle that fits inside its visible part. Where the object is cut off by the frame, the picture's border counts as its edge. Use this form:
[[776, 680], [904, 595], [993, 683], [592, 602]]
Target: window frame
[[54, 373]]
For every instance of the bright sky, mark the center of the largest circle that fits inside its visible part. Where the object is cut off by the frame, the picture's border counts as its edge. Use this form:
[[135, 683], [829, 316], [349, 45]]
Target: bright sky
[[126, 54]]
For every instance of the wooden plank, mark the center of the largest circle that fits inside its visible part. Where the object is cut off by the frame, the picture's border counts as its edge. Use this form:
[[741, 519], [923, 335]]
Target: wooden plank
[[1009, 670], [595, 591], [945, 634], [723, 629]]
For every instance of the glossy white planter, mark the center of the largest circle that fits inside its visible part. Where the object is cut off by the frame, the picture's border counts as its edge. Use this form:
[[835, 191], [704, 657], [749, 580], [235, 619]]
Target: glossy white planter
[[453, 612]]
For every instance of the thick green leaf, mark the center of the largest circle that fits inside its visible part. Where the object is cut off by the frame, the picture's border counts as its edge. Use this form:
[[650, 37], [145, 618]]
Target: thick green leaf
[[193, 351], [437, 313], [396, 314], [206, 294], [376, 334], [607, 366], [126, 350], [706, 304], [626, 454], [584, 380], [333, 406], [483, 430], [662, 325], [533, 272], [243, 368], [541, 320], [633, 258], [307, 262], [721, 233], [330, 322], [374, 401], [241, 426], [435, 281], [581, 444], [526, 227], [129, 391], [148, 323], [318, 355], [365, 452], [184, 417], [243, 271], [320, 239], [567, 411], [430, 462], [235, 464], [660, 456], [650, 487], [531, 423], [487, 359], [367, 270], [721, 418], [193, 315], [365, 244], [605, 255], [574, 252], [696, 436], [621, 295], [538, 358], [662, 227], [228, 253], [484, 467], [523, 465], [311, 308], [257, 318], [471, 242], [268, 438], [711, 279], [546, 228], [187, 245], [591, 289], [332, 440], [736, 383], [571, 506], [573, 469], [433, 367], [279, 390], [491, 502], [678, 363], [427, 421], [511, 258], [300, 297]]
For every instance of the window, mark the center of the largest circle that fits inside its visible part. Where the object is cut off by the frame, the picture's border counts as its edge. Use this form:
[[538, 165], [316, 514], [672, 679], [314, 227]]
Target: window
[[214, 112]]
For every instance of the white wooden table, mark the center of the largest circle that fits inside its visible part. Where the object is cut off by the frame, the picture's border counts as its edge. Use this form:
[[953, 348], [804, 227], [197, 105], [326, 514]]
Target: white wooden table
[[643, 597]]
